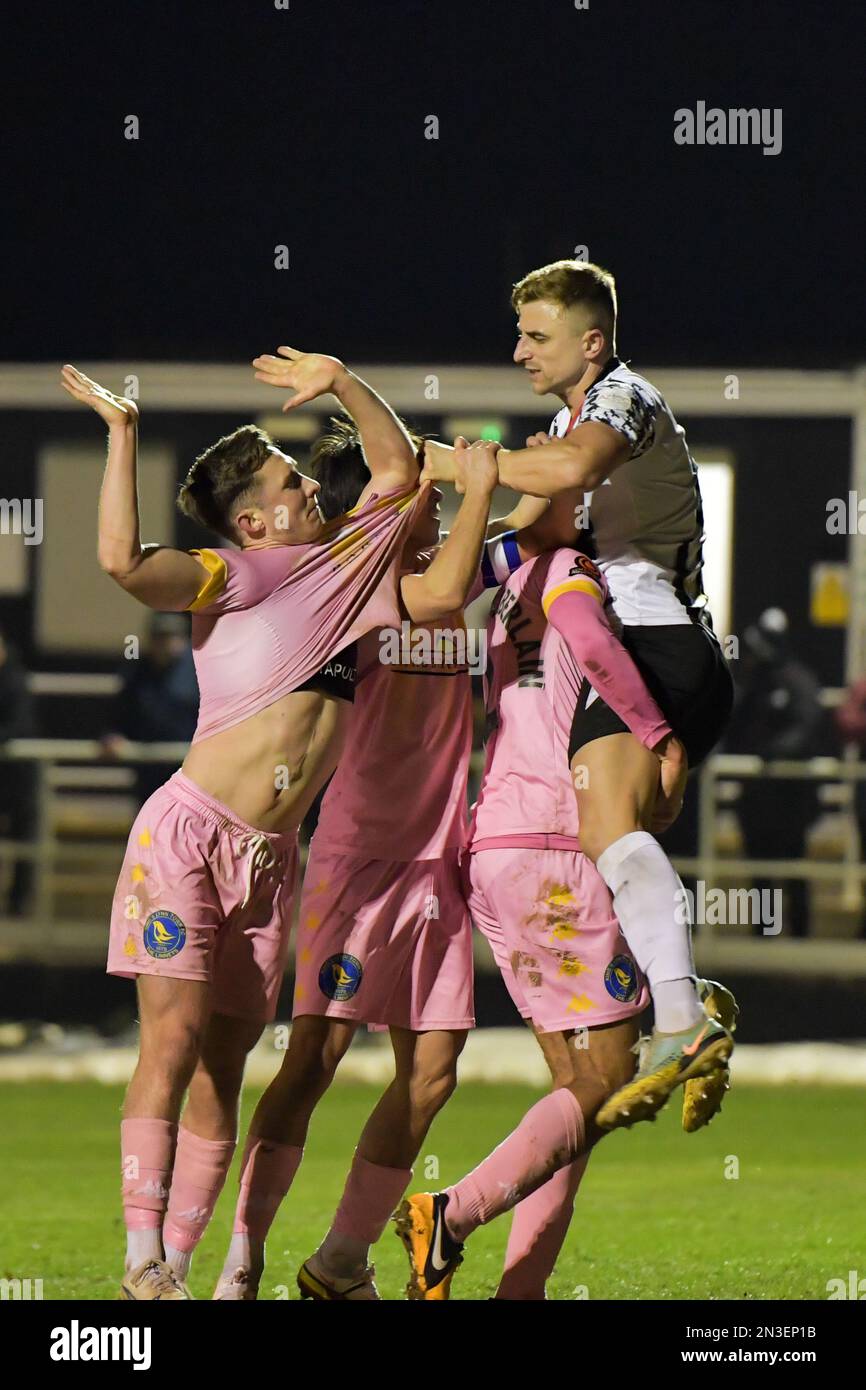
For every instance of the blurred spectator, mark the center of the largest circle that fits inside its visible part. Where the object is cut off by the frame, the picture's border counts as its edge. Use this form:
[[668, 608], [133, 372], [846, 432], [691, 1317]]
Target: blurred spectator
[[851, 727], [777, 714], [18, 779], [159, 699], [851, 715]]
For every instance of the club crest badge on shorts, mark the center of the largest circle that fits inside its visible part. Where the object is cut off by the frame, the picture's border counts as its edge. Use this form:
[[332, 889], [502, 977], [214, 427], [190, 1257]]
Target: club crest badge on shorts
[[340, 977], [620, 979], [164, 935]]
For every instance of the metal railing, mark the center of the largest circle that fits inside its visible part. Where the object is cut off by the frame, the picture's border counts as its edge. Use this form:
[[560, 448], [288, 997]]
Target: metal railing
[[68, 765], [845, 771], [63, 765]]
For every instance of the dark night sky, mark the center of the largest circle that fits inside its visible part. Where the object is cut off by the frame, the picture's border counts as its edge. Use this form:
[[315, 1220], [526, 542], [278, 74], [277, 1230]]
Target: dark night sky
[[306, 127]]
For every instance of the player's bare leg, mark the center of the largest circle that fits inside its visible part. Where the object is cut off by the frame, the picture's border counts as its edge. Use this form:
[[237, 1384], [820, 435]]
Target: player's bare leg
[[317, 1045], [275, 1145], [173, 1019], [207, 1137], [557, 1130], [214, 1094], [616, 781], [425, 1078]]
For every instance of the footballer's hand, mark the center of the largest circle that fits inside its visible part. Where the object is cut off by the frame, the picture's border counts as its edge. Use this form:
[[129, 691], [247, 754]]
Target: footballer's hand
[[475, 465], [308, 374], [674, 771], [116, 411], [439, 462], [535, 440]]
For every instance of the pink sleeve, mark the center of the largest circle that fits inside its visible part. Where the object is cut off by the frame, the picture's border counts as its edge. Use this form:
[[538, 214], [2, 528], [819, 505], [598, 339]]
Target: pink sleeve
[[348, 547], [233, 581], [578, 616]]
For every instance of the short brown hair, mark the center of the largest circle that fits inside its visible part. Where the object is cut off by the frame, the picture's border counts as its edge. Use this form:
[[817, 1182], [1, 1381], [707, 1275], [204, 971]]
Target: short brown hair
[[339, 467], [568, 283], [221, 476]]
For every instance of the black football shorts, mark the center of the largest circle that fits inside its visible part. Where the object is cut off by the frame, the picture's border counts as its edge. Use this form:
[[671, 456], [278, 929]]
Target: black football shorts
[[687, 676]]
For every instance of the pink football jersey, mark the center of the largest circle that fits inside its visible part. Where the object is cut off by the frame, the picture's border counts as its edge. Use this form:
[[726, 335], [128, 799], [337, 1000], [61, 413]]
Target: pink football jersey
[[267, 620], [547, 632], [531, 690], [400, 790]]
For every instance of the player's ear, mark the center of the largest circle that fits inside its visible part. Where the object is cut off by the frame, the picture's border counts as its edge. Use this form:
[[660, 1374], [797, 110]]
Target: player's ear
[[594, 344], [250, 523]]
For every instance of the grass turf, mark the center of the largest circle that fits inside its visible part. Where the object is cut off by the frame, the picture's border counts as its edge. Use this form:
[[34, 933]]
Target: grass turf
[[656, 1216]]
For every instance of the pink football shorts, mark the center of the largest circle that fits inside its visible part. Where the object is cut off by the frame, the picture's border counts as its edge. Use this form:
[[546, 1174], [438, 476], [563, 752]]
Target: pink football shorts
[[203, 896], [548, 916], [384, 942]]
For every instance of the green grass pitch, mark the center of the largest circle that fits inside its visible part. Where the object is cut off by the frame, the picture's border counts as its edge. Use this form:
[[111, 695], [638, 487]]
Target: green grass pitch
[[656, 1217]]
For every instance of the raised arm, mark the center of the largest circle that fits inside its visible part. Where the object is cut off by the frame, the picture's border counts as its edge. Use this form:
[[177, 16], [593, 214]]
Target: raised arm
[[539, 523], [575, 608], [581, 461], [444, 586], [528, 513], [387, 447], [161, 578]]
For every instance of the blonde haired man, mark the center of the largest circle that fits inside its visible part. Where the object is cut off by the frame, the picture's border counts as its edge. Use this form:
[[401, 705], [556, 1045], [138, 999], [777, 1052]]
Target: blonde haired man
[[619, 473]]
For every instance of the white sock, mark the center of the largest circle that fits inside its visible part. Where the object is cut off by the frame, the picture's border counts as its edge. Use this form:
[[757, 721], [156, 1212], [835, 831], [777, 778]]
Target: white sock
[[676, 1002], [240, 1256], [652, 908], [142, 1246], [180, 1260]]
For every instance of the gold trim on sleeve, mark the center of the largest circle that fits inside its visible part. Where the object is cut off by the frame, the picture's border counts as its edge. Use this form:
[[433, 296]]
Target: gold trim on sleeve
[[584, 586], [215, 582]]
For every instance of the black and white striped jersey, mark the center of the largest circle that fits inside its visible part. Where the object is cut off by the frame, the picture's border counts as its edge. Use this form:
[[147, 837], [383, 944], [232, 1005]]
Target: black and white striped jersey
[[646, 522]]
